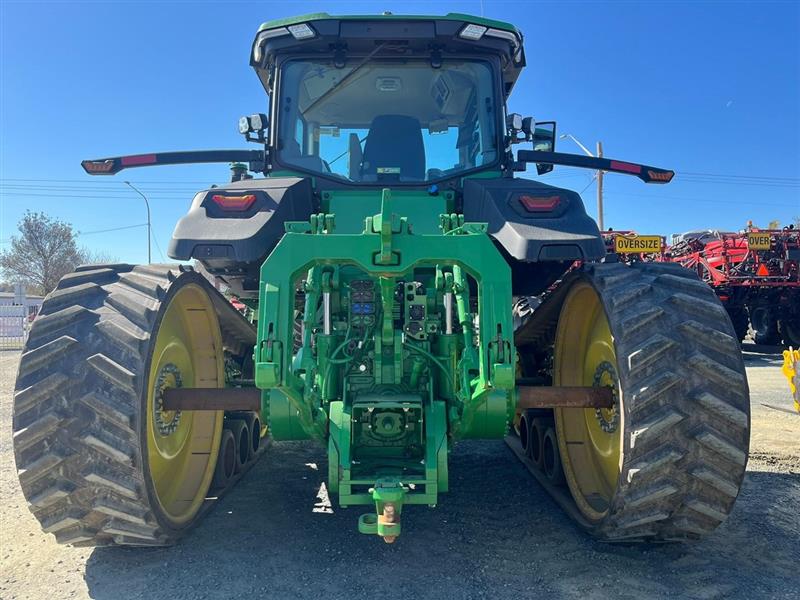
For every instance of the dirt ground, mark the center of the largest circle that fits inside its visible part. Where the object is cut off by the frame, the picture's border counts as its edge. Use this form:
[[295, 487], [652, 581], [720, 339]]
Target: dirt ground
[[496, 534]]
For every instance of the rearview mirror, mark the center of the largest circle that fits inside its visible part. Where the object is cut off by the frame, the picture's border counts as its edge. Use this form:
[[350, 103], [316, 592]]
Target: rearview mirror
[[544, 140]]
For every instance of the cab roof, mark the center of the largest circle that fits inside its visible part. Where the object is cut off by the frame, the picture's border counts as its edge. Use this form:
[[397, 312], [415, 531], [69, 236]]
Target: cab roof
[[460, 17], [454, 33]]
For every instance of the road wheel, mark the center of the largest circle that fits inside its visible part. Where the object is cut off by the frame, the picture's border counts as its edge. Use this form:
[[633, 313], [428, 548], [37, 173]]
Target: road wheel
[[241, 434], [524, 432], [539, 426], [226, 460], [666, 462], [764, 326], [551, 458], [99, 459]]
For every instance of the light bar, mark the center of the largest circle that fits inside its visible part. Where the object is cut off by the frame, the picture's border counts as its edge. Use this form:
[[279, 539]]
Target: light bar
[[643, 172], [618, 165], [302, 31], [472, 32], [115, 164], [138, 160]]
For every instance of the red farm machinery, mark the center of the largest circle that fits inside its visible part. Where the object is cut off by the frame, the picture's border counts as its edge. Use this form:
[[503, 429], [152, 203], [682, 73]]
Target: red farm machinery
[[755, 274]]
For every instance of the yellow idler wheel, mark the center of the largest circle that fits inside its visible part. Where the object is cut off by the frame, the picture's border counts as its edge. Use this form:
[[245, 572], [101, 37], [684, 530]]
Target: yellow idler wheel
[[667, 461], [589, 439], [182, 446]]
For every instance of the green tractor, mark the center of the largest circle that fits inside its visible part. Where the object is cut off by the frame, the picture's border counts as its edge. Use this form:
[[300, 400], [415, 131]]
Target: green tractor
[[408, 291]]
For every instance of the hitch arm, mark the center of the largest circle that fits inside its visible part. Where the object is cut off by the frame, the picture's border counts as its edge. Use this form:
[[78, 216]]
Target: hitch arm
[[643, 172], [113, 165]]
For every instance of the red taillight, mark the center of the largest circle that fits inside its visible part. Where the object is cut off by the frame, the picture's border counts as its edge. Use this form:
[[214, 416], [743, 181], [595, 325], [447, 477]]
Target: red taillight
[[98, 166], [627, 167], [665, 176], [723, 298], [539, 203], [234, 203]]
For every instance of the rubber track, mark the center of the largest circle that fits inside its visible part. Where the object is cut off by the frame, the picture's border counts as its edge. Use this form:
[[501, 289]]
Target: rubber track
[[685, 396], [79, 397]]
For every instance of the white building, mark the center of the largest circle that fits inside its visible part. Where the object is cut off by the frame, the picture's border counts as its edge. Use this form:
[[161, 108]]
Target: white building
[[17, 311]]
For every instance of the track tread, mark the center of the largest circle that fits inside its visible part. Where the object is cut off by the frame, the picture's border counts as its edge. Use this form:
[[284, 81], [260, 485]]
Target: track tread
[[36, 431], [41, 356], [689, 409], [77, 402], [50, 495], [685, 397], [49, 323]]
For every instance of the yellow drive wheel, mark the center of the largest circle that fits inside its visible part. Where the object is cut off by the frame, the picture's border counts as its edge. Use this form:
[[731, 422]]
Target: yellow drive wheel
[[588, 439], [182, 446]]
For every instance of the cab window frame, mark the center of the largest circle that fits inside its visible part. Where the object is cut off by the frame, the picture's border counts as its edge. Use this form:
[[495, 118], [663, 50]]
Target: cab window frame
[[495, 72]]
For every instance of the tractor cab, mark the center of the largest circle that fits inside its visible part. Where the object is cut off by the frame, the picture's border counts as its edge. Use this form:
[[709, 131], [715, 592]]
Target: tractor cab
[[392, 99]]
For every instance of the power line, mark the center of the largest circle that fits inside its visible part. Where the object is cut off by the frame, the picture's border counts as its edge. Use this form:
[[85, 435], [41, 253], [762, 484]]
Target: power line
[[587, 185], [88, 181], [69, 188], [681, 179], [81, 233], [79, 196], [760, 177], [158, 247], [704, 200]]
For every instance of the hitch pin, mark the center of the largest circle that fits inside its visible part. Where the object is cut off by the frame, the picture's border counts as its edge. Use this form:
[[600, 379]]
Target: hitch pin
[[326, 313], [448, 312]]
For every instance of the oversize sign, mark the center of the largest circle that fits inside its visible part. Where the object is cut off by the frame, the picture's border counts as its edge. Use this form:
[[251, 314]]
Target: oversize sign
[[759, 241], [637, 244]]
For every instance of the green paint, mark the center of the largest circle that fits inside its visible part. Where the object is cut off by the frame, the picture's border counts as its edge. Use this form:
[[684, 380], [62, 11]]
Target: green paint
[[352, 206], [386, 389], [375, 375]]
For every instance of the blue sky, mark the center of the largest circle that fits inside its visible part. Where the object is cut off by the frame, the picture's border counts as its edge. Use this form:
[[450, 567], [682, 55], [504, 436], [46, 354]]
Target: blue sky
[[710, 89]]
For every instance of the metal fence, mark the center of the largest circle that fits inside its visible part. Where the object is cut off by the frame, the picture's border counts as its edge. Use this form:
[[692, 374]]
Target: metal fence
[[14, 326]]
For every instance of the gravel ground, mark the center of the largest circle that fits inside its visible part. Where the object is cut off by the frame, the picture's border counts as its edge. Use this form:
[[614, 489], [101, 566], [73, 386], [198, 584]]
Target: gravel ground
[[276, 535]]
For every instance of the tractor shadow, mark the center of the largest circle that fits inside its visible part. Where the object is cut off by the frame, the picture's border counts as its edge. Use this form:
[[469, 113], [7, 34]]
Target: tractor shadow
[[762, 356], [495, 534]]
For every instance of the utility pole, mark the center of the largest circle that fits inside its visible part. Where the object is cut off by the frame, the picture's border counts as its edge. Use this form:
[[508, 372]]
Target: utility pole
[[600, 189], [147, 204], [599, 175]]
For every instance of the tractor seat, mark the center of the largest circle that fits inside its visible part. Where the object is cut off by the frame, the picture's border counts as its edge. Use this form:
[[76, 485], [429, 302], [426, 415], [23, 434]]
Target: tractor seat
[[394, 142]]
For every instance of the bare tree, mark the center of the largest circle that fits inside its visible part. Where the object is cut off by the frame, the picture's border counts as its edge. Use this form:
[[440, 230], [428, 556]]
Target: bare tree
[[42, 253], [96, 257]]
